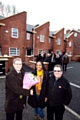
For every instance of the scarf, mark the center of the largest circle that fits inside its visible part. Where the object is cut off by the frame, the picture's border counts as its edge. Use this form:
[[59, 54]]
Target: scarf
[[40, 74]]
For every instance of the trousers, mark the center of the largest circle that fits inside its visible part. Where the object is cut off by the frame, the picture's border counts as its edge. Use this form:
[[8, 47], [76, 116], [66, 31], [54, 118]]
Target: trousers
[[38, 110], [12, 115], [55, 112]]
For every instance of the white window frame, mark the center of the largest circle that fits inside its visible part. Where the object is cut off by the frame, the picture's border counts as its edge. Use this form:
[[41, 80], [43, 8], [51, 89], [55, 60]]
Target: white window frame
[[28, 36], [49, 40], [70, 44], [14, 51], [58, 41], [42, 38], [75, 34], [14, 33]]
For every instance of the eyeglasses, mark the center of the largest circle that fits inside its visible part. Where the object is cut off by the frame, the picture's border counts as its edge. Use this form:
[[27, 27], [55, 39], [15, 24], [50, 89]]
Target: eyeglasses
[[17, 64], [57, 70]]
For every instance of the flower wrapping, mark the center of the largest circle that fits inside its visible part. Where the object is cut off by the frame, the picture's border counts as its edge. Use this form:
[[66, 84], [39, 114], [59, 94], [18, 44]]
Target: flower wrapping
[[29, 80]]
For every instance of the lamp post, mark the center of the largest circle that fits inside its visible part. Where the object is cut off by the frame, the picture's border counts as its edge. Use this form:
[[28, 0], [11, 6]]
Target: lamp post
[[34, 32]]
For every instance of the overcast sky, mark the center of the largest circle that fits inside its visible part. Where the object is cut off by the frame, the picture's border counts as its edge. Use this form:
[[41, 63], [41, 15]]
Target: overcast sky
[[60, 13]]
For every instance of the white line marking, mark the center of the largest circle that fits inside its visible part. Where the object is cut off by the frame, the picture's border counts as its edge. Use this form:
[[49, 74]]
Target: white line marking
[[75, 85], [69, 67], [72, 112], [2, 76]]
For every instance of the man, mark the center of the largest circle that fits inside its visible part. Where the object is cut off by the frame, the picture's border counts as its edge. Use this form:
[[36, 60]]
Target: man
[[15, 95], [59, 94], [65, 61]]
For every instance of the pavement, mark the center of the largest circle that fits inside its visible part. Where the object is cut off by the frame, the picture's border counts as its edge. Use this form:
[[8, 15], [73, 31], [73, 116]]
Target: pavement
[[28, 113]]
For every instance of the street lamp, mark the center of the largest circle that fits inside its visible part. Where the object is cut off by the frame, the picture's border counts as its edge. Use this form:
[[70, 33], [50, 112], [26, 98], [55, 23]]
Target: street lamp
[[34, 32]]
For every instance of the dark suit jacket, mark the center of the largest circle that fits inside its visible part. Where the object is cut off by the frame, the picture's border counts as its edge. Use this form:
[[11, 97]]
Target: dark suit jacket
[[13, 90]]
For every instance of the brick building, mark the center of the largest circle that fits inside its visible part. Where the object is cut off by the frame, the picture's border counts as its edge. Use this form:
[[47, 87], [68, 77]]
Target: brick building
[[19, 39]]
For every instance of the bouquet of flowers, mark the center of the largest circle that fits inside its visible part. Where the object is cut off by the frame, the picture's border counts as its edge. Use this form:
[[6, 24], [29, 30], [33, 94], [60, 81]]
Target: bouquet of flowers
[[29, 80]]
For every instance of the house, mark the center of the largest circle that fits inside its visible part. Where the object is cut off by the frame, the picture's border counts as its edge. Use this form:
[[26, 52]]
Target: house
[[69, 44], [58, 40], [13, 37], [76, 48], [19, 39]]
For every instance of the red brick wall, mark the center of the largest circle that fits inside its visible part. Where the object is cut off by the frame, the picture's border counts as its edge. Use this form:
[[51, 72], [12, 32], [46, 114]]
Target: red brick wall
[[77, 44], [60, 35], [68, 48], [29, 43], [44, 30], [16, 21]]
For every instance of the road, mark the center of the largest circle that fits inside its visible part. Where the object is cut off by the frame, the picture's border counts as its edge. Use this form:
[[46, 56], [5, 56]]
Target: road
[[73, 75]]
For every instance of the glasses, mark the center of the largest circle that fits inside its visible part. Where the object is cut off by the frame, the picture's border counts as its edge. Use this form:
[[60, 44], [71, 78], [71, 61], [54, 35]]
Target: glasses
[[57, 70], [17, 64]]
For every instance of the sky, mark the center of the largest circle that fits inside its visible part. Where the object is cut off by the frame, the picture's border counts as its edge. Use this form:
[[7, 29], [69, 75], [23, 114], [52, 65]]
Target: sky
[[60, 13]]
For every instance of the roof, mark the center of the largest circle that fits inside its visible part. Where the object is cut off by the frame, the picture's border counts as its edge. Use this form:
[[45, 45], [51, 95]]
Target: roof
[[74, 30], [1, 17], [66, 35], [51, 33], [29, 27]]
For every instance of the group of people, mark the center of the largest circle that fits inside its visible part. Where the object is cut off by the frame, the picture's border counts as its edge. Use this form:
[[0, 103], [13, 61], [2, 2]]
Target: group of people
[[53, 59], [53, 92]]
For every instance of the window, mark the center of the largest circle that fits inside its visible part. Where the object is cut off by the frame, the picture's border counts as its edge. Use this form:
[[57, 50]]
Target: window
[[41, 38], [40, 51], [58, 41], [49, 40], [69, 53], [28, 36], [14, 51], [14, 32], [75, 34], [70, 44], [29, 51]]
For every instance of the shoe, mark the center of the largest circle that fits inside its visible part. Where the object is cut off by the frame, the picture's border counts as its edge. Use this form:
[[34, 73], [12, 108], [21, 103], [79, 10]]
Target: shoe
[[41, 118], [37, 117]]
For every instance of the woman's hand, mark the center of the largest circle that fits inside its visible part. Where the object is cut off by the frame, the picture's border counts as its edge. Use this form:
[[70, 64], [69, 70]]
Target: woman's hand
[[31, 92], [38, 78]]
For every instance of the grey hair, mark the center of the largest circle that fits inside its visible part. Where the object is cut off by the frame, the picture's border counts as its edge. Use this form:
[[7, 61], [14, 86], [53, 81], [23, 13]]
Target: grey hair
[[59, 66], [17, 59]]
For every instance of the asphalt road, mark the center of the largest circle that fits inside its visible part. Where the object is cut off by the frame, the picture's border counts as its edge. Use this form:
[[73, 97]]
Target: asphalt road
[[73, 75]]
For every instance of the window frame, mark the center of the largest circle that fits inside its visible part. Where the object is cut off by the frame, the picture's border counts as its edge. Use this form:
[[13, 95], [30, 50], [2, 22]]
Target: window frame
[[28, 36], [12, 33], [17, 51], [58, 41], [42, 37]]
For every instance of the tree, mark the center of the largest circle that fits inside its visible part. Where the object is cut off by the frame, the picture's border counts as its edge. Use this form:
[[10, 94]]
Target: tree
[[7, 10]]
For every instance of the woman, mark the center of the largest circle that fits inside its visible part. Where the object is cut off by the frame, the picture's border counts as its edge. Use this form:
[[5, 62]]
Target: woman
[[39, 98]]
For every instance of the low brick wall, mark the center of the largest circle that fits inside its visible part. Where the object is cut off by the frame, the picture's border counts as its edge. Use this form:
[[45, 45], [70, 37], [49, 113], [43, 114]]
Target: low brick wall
[[75, 58]]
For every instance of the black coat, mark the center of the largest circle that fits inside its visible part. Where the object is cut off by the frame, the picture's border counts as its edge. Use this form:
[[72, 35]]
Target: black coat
[[13, 90], [32, 98], [59, 91]]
